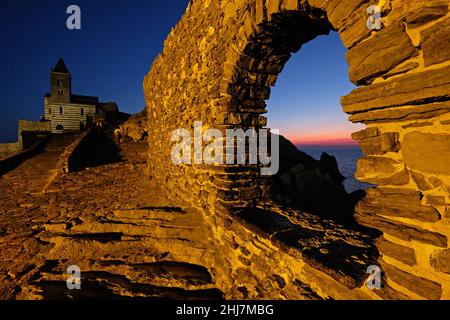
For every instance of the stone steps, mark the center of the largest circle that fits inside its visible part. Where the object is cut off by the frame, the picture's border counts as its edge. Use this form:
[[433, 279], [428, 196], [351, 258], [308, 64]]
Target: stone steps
[[126, 253], [118, 280]]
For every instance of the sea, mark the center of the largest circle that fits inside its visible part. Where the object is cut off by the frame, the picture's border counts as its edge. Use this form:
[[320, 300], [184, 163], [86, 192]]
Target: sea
[[347, 158]]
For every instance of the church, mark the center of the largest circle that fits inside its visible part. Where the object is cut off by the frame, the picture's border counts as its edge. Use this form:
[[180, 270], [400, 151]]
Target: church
[[70, 112]]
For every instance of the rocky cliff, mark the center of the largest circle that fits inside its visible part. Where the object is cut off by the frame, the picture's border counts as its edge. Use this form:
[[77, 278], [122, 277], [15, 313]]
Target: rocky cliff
[[135, 128]]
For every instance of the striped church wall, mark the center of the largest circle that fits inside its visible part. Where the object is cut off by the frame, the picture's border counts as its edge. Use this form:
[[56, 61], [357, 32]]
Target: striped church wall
[[70, 117]]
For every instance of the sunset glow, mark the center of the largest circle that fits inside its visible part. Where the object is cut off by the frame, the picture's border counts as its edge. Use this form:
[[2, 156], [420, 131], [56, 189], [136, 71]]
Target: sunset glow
[[305, 103], [323, 140]]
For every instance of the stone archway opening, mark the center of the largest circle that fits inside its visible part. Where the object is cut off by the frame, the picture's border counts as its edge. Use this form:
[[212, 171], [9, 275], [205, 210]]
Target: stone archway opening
[[219, 63], [257, 69], [317, 157]]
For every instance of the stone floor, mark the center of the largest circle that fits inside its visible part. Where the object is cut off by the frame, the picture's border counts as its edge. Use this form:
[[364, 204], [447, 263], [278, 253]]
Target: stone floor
[[128, 240], [48, 223]]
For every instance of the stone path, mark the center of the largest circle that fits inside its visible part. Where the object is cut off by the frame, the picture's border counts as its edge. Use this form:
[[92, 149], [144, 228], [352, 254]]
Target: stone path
[[81, 220], [128, 241], [23, 205]]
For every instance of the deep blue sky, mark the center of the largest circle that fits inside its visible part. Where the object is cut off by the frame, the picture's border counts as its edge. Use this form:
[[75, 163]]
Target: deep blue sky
[[115, 48], [108, 57]]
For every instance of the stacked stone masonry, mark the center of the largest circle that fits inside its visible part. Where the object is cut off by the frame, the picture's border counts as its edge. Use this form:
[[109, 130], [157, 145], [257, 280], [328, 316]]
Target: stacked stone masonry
[[219, 62]]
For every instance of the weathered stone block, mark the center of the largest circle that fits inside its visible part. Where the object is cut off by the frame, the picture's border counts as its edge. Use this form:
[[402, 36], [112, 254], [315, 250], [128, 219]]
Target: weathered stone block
[[379, 54], [355, 27], [403, 68], [426, 14], [420, 213], [339, 10], [400, 230], [371, 146], [441, 261], [418, 124], [420, 181], [436, 182], [408, 89], [425, 111], [381, 171], [421, 286], [398, 203], [427, 152], [290, 4], [387, 142], [396, 251], [436, 42], [436, 200], [366, 133]]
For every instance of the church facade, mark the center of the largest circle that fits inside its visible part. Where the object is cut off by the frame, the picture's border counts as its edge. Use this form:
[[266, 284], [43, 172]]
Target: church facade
[[70, 112]]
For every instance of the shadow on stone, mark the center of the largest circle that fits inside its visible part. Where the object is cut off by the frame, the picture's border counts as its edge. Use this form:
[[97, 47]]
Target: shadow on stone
[[101, 285], [96, 150], [328, 246], [312, 186], [14, 161]]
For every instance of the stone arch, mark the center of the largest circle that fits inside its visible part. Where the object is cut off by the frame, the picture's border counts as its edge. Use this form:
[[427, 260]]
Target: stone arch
[[217, 67]]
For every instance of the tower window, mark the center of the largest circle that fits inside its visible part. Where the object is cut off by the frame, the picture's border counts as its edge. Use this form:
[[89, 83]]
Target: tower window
[[60, 110], [60, 92], [82, 111], [49, 110], [60, 82]]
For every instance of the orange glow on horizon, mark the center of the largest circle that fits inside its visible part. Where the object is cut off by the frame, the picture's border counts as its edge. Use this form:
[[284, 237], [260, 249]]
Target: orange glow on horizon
[[335, 139]]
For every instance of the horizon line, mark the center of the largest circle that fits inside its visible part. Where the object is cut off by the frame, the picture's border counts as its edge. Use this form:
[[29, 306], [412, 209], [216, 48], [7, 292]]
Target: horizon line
[[326, 142]]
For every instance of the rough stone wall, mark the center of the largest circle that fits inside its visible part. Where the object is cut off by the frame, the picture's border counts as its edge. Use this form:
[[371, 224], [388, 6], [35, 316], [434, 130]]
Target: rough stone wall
[[405, 105], [67, 162], [34, 127], [7, 149], [218, 65]]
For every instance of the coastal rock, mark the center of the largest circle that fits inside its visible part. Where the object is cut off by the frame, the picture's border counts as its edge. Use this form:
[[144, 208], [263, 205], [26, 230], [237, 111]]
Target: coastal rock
[[330, 165], [303, 182], [136, 127]]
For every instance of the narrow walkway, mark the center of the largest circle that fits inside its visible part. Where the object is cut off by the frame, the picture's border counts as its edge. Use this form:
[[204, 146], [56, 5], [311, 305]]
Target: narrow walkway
[[104, 219], [23, 201]]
